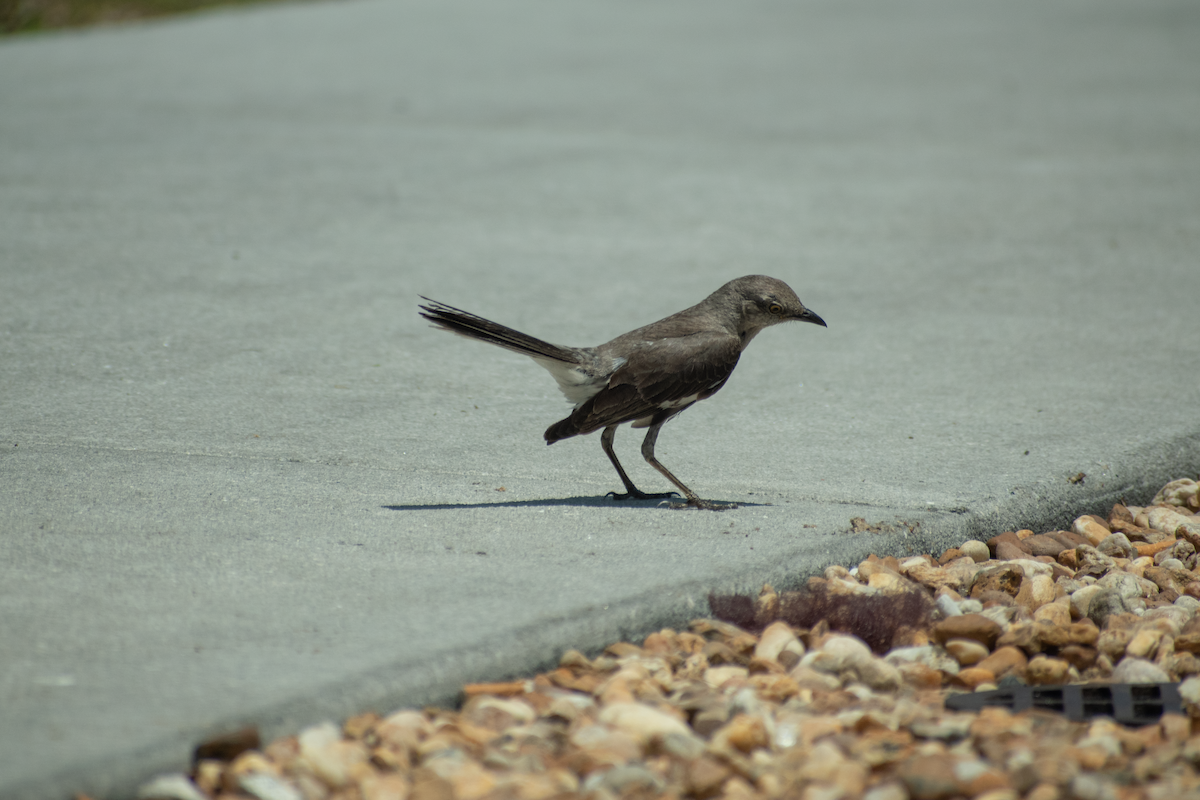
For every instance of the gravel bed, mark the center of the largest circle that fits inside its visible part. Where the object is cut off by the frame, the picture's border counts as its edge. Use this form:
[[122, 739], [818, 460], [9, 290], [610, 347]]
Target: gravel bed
[[838, 691]]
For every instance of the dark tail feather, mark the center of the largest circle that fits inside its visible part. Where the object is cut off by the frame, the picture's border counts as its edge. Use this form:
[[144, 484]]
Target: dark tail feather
[[464, 323], [563, 429]]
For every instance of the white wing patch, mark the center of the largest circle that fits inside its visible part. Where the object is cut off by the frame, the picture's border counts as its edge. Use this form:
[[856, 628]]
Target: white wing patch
[[576, 383]]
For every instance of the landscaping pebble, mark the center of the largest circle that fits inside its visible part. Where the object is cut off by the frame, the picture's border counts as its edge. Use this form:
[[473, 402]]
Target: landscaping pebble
[[769, 708]]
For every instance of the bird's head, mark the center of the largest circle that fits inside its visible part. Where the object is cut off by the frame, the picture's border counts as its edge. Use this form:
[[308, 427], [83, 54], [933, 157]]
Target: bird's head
[[767, 301]]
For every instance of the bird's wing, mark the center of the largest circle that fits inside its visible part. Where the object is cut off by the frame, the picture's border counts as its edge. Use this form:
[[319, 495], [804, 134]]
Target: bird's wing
[[656, 376]]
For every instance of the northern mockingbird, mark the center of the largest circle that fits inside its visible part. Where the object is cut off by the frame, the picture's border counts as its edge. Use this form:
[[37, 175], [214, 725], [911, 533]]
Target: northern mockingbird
[[651, 374]]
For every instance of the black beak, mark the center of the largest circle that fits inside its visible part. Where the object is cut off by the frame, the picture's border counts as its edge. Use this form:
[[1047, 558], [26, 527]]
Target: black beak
[[810, 316]]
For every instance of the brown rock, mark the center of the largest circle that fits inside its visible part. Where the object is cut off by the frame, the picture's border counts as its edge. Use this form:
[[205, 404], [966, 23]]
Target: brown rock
[[1007, 551], [949, 555], [1163, 578], [966, 651], [1045, 671], [1023, 635], [1035, 592], [1003, 661], [1113, 641], [1054, 613], [972, 677], [1069, 559], [920, 676], [1188, 642], [745, 732], [1050, 634], [1045, 545], [705, 776], [1083, 632], [1069, 538], [1003, 578], [1119, 512], [1007, 536], [928, 777], [1092, 529], [967, 626], [1078, 656]]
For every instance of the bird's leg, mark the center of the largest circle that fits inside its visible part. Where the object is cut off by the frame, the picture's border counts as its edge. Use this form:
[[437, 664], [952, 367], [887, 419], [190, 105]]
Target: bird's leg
[[631, 491], [693, 500]]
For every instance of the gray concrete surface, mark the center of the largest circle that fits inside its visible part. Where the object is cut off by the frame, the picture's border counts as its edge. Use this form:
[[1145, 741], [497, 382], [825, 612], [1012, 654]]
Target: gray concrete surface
[[242, 481]]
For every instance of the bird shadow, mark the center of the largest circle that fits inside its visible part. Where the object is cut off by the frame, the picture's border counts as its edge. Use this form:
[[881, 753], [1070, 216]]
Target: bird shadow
[[602, 501]]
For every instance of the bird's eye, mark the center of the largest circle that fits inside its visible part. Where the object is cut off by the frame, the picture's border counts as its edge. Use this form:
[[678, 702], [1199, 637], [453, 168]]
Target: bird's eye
[[775, 308]]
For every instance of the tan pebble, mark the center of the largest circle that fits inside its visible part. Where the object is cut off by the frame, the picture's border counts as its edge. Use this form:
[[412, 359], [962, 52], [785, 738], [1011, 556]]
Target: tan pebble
[[976, 550], [497, 713], [1144, 643], [331, 758], [920, 676], [744, 732], [358, 726], [975, 778], [928, 777], [973, 677], [1183, 492], [405, 728], [663, 642], [1036, 592], [822, 762], [1081, 600], [705, 776], [1112, 642], [775, 639], [605, 745], [248, 762], [574, 659], [1083, 632], [1175, 727], [1138, 670], [888, 583], [469, 780], [1172, 523], [717, 677], [1090, 529], [1051, 635], [389, 786], [623, 650], [1056, 613], [775, 688], [966, 651], [642, 722], [968, 626], [207, 775], [1042, 670], [1003, 661]]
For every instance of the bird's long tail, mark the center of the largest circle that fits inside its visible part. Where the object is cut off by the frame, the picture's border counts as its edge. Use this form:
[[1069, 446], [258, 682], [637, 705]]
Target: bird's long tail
[[467, 324]]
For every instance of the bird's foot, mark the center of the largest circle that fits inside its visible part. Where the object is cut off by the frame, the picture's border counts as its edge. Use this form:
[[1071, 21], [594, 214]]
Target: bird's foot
[[706, 505], [639, 495]]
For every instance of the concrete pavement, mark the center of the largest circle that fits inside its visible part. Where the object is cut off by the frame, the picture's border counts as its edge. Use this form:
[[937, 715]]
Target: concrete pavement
[[241, 480]]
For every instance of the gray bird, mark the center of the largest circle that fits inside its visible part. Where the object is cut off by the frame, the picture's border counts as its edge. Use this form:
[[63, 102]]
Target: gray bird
[[651, 374]]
